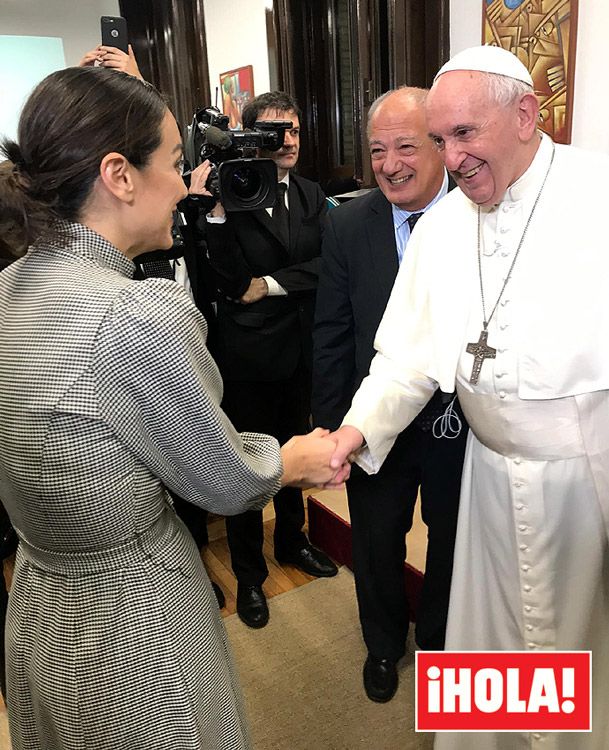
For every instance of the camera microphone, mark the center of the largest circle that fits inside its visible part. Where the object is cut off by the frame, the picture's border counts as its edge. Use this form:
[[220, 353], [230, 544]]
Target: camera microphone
[[217, 138]]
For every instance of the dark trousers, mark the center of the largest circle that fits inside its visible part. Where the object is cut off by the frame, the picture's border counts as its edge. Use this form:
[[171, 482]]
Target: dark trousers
[[281, 409], [381, 507], [194, 518], [8, 546]]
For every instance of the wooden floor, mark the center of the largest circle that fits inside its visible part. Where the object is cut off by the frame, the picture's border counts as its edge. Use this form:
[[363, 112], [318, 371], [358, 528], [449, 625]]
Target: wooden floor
[[281, 578]]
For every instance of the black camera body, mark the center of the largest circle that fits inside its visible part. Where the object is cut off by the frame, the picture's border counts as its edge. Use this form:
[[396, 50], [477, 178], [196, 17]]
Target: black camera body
[[238, 180]]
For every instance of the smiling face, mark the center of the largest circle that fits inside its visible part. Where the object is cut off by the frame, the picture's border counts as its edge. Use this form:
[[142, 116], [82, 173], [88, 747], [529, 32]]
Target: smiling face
[[287, 156], [485, 146], [406, 164]]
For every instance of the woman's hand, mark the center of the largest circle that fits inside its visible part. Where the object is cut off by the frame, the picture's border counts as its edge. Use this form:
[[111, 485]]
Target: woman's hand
[[112, 57], [306, 460], [90, 59]]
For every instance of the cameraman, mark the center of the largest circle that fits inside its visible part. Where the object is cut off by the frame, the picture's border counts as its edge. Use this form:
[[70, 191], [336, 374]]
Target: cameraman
[[266, 262]]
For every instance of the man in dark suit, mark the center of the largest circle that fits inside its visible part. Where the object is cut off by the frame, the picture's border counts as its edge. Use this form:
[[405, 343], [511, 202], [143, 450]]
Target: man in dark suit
[[266, 263], [364, 242]]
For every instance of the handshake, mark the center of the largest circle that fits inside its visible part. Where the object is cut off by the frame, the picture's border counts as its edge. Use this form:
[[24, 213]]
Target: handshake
[[321, 458]]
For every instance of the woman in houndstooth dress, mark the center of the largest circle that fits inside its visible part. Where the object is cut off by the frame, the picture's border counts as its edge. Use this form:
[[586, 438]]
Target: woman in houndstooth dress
[[107, 396]]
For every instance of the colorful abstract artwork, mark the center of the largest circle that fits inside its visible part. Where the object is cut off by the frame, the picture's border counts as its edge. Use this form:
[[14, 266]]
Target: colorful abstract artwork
[[542, 33], [237, 87]]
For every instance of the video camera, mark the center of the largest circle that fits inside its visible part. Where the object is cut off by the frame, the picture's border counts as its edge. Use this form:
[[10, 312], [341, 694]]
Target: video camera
[[238, 180]]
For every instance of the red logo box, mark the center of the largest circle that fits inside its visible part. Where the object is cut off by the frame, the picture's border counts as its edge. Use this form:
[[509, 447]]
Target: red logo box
[[503, 691]]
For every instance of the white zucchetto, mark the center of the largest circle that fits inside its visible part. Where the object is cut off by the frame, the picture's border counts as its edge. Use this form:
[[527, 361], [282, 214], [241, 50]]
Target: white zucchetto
[[488, 59]]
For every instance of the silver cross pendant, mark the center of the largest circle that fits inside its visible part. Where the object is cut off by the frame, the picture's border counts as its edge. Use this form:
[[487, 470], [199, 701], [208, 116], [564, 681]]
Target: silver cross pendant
[[481, 351]]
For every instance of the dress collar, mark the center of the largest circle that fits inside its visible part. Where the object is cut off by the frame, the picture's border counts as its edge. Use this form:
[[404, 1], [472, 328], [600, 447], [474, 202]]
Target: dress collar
[[78, 240]]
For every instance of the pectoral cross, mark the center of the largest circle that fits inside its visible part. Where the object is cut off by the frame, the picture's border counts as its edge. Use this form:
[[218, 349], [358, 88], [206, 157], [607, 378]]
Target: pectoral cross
[[481, 351]]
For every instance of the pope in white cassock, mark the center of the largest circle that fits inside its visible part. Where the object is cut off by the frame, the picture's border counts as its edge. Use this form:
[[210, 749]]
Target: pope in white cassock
[[504, 292]]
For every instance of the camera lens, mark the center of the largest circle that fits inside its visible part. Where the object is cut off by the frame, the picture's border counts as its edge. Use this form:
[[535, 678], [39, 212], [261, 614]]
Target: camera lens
[[246, 183]]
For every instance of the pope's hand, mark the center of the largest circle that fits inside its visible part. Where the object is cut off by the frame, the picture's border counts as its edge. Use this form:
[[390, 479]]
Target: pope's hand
[[348, 441]]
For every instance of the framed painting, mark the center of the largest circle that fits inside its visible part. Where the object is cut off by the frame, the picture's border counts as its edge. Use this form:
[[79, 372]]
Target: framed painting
[[543, 35], [237, 87]]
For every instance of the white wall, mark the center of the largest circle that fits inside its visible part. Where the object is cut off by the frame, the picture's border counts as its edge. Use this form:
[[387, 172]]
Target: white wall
[[74, 21], [38, 37], [590, 102], [236, 36]]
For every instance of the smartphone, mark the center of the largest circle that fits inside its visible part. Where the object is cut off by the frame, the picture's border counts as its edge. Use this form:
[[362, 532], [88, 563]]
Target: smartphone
[[114, 32]]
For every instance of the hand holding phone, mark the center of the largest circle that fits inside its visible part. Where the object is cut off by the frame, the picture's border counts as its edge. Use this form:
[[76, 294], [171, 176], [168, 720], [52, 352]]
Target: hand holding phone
[[111, 57]]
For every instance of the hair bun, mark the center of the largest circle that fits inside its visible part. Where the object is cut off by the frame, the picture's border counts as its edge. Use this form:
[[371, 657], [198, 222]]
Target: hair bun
[[17, 210], [13, 153]]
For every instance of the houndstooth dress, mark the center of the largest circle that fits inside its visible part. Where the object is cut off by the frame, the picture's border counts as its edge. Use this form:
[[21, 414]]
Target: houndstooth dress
[[107, 396]]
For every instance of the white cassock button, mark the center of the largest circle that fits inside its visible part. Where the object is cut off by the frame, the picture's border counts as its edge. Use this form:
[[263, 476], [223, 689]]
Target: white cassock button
[[527, 608], [502, 394], [537, 736], [518, 484], [520, 506], [529, 627], [531, 645], [504, 254], [527, 588], [526, 568], [517, 460], [499, 374], [522, 527], [504, 302], [523, 548], [503, 230], [505, 209], [502, 351], [503, 326]]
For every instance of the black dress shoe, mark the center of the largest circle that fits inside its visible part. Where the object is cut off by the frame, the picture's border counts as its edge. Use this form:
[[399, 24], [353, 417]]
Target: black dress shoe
[[251, 606], [219, 595], [380, 679], [310, 560]]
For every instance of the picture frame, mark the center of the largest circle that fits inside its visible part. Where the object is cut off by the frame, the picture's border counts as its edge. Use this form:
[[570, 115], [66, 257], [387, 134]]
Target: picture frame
[[237, 89], [543, 35]]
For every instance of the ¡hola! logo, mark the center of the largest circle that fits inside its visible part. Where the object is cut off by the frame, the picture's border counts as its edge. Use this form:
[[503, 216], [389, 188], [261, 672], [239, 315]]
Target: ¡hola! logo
[[503, 691]]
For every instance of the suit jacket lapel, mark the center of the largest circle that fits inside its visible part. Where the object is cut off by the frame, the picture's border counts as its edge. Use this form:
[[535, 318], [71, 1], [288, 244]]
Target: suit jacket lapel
[[295, 200], [295, 217], [261, 215], [381, 241]]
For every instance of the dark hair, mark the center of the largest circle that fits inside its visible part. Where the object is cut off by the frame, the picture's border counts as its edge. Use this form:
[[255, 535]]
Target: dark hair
[[73, 118], [277, 100]]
